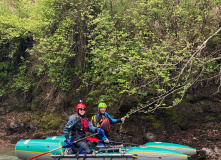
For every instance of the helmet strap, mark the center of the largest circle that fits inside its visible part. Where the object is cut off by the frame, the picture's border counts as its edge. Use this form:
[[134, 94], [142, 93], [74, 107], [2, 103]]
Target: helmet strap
[[80, 115], [99, 112]]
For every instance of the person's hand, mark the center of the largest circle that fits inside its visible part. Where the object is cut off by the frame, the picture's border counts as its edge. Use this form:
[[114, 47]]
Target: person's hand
[[68, 143], [106, 140], [122, 119]]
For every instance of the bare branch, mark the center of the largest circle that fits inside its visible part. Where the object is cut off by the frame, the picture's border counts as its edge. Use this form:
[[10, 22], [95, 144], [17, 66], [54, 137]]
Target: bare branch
[[185, 85]]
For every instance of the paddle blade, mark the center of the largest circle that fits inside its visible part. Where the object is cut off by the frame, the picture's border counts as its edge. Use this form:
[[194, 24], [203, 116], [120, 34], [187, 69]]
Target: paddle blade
[[93, 139]]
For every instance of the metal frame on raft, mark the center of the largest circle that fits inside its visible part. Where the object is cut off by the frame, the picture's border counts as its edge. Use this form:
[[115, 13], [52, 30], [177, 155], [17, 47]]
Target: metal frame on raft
[[164, 145], [91, 156]]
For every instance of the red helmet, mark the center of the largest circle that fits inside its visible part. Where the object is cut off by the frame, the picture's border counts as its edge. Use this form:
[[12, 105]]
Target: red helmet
[[80, 105]]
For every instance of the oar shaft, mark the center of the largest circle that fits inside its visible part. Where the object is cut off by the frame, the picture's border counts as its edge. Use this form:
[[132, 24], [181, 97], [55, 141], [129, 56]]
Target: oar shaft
[[44, 153], [37, 156]]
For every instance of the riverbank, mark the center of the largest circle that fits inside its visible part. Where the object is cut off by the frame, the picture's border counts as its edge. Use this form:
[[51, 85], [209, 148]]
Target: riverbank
[[6, 144], [205, 137], [195, 122]]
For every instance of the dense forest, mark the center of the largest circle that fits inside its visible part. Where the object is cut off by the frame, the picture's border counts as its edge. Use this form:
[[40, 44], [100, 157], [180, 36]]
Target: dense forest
[[140, 56]]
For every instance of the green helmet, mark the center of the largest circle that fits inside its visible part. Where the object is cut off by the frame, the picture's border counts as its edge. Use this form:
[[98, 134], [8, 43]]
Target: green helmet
[[102, 105]]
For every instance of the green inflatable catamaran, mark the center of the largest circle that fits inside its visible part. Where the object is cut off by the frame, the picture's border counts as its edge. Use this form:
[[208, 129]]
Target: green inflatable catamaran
[[26, 149]]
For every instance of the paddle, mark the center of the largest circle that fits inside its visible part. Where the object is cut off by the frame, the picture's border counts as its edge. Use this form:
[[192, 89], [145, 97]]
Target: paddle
[[59, 147], [93, 139]]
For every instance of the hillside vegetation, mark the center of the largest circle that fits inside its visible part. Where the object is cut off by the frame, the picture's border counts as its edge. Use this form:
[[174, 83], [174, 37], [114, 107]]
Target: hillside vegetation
[[148, 52]]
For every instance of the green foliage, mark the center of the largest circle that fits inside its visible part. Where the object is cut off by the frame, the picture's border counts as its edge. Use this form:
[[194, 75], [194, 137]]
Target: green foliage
[[13, 36], [51, 121], [21, 80], [12, 28], [46, 121], [177, 116], [111, 49], [146, 47], [61, 47], [5, 68], [156, 123]]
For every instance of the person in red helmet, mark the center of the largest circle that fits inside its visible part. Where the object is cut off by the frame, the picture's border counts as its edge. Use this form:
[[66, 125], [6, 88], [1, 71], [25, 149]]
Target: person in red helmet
[[78, 124]]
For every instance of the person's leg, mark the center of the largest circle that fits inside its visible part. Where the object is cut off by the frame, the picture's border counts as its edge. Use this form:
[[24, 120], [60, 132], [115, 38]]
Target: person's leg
[[83, 147], [92, 145]]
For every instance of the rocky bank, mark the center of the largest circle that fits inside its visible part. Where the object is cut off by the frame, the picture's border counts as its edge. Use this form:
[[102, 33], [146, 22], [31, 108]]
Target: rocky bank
[[194, 122]]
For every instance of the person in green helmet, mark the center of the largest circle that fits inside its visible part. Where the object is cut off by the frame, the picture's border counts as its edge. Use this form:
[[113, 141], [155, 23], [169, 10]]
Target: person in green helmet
[[103, 120]]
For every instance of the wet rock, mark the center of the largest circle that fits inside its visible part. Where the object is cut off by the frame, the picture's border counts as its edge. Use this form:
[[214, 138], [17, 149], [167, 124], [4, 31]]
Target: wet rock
[[14, 125], [32, 126], [150, 137], [22, 124], [214, 153]]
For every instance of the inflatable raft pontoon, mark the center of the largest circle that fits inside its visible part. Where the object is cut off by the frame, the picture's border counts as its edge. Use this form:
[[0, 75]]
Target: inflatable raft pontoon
[[26, 149], [163, 145]]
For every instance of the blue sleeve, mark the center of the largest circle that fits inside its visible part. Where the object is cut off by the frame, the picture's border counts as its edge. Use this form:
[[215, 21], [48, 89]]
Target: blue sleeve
[[110, 118], [69, 125], [91, 128]]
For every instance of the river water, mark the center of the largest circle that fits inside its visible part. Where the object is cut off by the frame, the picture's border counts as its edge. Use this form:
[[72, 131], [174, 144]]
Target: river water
[[8, 154]]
